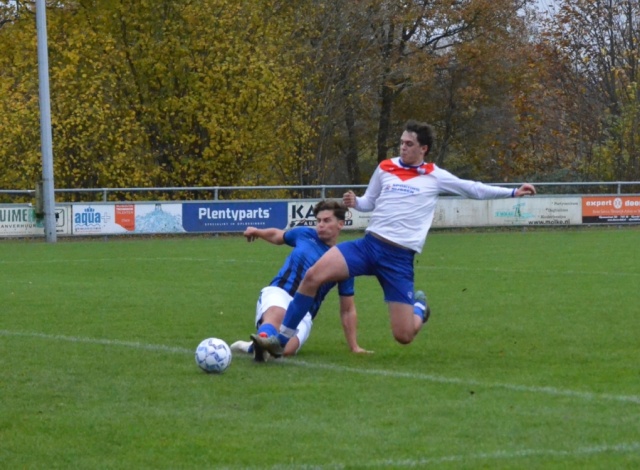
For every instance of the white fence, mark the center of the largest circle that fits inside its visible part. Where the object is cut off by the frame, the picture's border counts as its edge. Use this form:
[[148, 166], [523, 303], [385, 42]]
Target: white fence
[[216, 193], [218, 214]]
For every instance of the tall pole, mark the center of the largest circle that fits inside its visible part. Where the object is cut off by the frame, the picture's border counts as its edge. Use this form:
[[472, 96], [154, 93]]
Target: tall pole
[[48, 193]]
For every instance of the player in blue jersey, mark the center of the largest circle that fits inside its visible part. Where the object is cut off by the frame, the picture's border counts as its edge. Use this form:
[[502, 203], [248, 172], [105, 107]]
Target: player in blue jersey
[[401, 196], [309, 244]]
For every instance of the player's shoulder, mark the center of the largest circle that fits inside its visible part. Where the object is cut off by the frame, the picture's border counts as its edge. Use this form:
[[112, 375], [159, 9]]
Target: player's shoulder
[[298, 233], [441, 173], [309, 232], [389, 163]]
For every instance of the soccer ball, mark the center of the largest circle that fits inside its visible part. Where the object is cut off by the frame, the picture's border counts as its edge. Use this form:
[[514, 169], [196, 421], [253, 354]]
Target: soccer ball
[[213, 356]]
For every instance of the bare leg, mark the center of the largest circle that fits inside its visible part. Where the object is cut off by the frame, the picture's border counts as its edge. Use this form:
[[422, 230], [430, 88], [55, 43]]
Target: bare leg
[[274, 316], [291, 348], [404, 323], [330, 267]]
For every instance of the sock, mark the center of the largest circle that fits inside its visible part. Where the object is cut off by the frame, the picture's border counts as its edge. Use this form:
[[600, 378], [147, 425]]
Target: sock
[[296, 311], [419, 309], [268, 329]]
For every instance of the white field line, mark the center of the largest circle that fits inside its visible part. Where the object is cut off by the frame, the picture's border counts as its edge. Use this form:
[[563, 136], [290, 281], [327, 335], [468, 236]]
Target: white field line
[[353, 370], [509, 455], [471, 382], [106, 260], [404, 463], [464, 458], [106, 342]]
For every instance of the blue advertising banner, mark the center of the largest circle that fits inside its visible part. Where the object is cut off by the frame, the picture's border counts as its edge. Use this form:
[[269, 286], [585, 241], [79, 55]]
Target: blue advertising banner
[[233, 216]]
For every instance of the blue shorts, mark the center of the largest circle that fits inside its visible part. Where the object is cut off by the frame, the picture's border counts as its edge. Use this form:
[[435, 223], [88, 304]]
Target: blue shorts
[[393, 266]]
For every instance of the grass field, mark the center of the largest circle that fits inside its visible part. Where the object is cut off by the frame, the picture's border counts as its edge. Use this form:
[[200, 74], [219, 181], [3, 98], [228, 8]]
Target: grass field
[[531, 359]]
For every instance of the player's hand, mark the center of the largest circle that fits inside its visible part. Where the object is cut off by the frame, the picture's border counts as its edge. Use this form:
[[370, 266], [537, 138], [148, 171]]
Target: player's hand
[[526, 190], [349, 199], [250, 234]]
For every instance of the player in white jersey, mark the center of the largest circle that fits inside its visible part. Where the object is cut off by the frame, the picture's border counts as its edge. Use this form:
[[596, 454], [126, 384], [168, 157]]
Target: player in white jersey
[[402, 196]]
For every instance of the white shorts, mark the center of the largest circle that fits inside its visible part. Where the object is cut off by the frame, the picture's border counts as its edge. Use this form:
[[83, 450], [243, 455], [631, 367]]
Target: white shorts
[[272, 296]]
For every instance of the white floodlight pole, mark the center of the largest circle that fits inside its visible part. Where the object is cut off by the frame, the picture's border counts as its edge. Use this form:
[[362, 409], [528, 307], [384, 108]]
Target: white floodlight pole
[[48, 193]]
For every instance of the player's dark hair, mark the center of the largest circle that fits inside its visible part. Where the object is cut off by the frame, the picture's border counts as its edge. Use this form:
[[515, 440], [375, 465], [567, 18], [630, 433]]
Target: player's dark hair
[[338, 208], [424, 133]]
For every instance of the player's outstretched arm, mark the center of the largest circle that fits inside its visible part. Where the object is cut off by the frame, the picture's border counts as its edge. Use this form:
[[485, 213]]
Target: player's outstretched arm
[[525, 190], [349, 319], [271, 235]]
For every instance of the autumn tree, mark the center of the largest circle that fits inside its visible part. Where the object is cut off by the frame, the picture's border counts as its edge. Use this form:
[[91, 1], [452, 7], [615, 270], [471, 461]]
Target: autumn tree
[[448, 63], [598, 40], [201, 92], [222, 92], [468, 88]]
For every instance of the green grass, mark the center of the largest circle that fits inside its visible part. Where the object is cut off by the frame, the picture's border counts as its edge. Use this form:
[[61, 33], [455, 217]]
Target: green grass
[[531, 359]]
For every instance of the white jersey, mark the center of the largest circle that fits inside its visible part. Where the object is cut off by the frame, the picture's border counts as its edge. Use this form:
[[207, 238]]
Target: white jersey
[[403, 199]]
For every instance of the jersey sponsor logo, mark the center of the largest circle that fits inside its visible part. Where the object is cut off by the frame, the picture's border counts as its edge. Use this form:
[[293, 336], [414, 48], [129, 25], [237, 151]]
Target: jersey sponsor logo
[[400, 188]]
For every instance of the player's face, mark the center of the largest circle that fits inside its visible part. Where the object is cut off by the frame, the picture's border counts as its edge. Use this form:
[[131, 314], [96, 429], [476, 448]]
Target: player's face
[[411, 151], [328, 227]]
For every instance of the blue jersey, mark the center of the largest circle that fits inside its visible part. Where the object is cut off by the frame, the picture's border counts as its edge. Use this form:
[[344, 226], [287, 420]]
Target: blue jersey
[[307, 249]]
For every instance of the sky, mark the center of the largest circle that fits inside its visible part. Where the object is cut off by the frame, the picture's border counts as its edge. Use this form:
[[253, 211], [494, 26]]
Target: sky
[[545, 5]]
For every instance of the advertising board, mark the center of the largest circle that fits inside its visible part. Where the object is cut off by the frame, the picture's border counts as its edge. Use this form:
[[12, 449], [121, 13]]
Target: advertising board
[[611, 210], [19, 220], [232, 216]]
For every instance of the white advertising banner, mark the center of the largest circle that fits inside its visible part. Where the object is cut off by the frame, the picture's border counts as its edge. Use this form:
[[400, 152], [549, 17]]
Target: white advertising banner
[[111, 218], [539, 210], [452, 212], [158, 218], [114, 219], [19, 220]]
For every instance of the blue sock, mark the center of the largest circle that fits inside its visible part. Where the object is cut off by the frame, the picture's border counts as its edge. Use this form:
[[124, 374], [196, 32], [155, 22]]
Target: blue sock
[[296, 311], [268, 328]]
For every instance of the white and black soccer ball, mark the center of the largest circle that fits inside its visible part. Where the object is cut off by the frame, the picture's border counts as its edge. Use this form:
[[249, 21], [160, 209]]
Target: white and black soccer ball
[[213, 356]]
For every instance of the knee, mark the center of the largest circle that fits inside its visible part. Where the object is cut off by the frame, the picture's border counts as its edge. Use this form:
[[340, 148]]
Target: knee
[[403, 337]]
